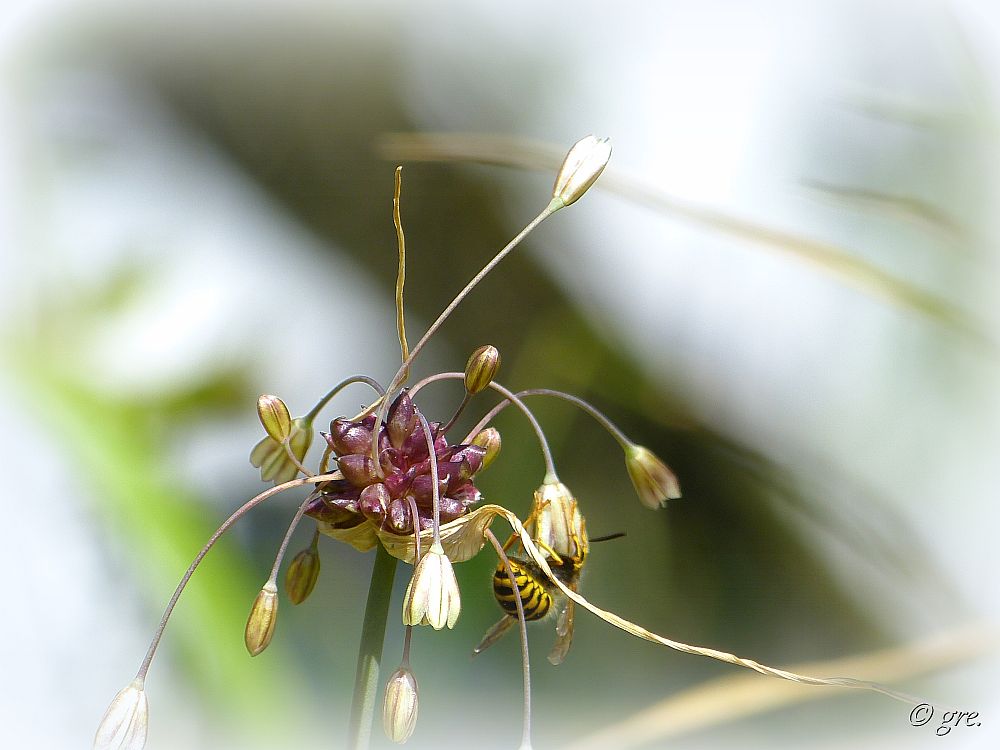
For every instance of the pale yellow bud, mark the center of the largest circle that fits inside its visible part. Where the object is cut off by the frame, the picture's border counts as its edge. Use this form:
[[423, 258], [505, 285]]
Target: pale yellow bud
[[581, 167], [125, 722], [489, 440], [432, 597], [481, 369], [399, 709], [654, 482], [301, 576], [263, 616], [274, 417]]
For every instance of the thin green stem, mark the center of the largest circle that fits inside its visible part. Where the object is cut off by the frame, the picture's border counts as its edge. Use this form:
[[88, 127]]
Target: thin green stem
[[371, 382], [370, 650]]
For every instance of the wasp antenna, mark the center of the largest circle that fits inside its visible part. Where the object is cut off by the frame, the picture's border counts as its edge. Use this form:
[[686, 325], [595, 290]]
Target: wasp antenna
[[607, 537]]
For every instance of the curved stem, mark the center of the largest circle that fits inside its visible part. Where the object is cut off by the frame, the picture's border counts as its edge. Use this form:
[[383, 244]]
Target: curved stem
[[370, 649], [435, 489], [404, 368], [374, 384], [295, 459], [239, 513], [526, 667], [593, 411], [288, 538], [397, 222]]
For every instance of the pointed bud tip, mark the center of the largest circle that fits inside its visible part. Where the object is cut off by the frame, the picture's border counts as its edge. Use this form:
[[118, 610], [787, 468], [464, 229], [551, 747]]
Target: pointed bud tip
[[580, 169], [262, 619]]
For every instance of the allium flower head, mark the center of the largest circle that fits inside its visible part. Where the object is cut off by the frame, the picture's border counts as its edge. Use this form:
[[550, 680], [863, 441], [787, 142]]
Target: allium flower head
[[380, 494]]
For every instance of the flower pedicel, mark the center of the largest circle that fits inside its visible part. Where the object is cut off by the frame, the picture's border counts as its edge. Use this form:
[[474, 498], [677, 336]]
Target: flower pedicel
[[391, 480]]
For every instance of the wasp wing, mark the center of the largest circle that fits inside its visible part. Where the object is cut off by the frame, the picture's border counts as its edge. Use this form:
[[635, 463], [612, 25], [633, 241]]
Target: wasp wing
[[564, 631], [494, 634]]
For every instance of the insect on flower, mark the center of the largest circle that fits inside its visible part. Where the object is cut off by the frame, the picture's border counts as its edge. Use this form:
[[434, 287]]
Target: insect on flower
[[392, 480]]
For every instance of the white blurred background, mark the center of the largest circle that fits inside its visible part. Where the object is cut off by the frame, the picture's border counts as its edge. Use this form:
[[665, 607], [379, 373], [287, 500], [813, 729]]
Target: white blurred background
[[194, 209]]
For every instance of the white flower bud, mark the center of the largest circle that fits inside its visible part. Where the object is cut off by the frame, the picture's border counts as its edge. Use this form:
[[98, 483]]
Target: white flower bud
[[432, 598], [581, 167], [399, 709], [125, 722]]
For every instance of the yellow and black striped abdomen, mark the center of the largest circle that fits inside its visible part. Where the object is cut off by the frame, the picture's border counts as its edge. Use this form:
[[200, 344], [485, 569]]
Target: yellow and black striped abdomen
[[534, 598]]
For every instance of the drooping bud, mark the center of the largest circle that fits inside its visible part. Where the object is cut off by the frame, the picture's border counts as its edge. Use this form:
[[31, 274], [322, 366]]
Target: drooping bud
[[274, 417], [303, 570], [489, 439], [263, 616], [125, 722], [558, 521], [481, 369], [399, 709], [581, 167], [653, 480], [401, 419], [432, 597]]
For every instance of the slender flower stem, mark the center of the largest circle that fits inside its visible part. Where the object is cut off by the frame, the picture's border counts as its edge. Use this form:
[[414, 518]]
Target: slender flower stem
[[526, 666], [435, 488], [370, 649], [294, 459], [397, 222], [374, 384], [510, 398], [288, 538], [404, 368], [593, 411], [237, 515]]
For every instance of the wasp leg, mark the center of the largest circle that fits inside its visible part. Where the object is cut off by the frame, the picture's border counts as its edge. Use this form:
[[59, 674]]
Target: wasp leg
[[494, 634], [564, 632], [529, 523], [553, 555]]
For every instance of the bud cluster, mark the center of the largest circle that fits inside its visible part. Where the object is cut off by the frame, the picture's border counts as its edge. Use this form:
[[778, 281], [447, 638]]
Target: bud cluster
[[382, 493]]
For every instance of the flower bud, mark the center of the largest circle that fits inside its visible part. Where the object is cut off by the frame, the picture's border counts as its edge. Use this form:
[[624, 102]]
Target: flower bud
[[125, 722], [481, 369], [374, 501], [432, 597], [401, 419], [399, 709], [300, 578], [581, 167], [654, 482], [274, 416], [359, 470], [348, 437], [489, 439], [263, 616]]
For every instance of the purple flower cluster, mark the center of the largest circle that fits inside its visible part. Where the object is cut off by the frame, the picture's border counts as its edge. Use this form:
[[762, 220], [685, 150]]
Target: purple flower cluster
[[382, 493]]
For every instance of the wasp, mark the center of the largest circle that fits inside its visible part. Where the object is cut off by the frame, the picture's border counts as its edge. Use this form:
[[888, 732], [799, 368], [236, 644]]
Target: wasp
[[558, 529]]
